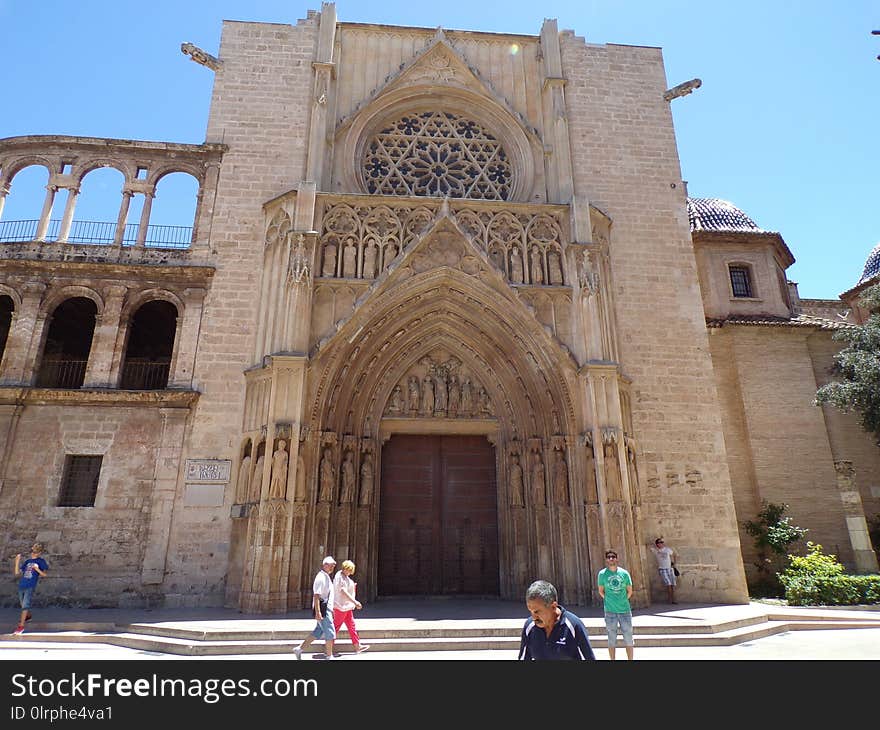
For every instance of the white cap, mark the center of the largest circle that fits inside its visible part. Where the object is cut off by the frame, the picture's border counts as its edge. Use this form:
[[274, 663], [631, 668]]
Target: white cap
[[329, 560]]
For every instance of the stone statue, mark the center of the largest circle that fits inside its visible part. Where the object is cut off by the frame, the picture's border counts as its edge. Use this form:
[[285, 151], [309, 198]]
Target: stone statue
[[390, 254], [454, 396], [536, 266], [554, 266], [349, 261], [370, 261], [366, 480], [395, 403], [329, 266], [257, 480], [278, 482], [328, 477], [560, 479], [244, 480], [539, 491], [516, 267], [427, 396], [467, 397], [517, 494], [414, 394], [612, 474], [441, 393], [299, 494], [485, 403], [347, 493]]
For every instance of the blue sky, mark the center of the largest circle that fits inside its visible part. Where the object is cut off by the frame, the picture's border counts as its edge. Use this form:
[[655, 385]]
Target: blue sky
[[785, 125]]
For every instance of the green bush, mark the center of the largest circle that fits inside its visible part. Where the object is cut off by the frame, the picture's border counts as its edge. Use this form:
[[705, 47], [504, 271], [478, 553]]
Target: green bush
[[818, 579]]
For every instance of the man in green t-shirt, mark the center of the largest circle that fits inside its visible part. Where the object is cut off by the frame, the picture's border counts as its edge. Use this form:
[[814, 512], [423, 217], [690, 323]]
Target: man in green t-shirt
[[615, 587]]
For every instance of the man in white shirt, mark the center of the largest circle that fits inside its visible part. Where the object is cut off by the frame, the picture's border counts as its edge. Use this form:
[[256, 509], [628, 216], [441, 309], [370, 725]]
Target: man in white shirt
[[666, 565], [322, 603]]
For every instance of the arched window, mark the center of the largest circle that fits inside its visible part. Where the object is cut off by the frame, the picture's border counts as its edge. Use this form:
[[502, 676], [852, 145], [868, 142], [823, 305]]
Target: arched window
[[147, 362], [68, 343], [24, 203], [174, 210], [438, 154]]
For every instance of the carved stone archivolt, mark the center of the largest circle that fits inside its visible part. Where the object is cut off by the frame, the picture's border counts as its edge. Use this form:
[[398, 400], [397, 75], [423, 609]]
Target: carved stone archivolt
[[439, 387]]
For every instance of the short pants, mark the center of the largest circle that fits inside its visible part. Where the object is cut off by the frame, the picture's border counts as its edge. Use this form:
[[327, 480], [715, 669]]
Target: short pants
[[24, 596], [625, 622]]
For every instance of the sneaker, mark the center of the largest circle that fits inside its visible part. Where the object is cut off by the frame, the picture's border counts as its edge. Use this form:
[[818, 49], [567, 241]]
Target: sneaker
[[18, 630], [362, 648], [298, 652]]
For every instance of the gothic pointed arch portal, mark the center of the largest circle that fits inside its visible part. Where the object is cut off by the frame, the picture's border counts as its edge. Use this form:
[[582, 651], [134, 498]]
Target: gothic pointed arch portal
[[444, 346]]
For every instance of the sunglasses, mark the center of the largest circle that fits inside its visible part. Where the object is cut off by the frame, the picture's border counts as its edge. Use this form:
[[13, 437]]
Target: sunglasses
[[610, 557]]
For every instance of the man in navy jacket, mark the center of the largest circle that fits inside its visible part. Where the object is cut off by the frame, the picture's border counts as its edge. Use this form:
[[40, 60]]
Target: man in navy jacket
[[552, 632]]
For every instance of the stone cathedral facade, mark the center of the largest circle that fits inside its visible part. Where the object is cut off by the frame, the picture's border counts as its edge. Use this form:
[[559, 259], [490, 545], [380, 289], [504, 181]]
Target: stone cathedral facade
[[445, 310]]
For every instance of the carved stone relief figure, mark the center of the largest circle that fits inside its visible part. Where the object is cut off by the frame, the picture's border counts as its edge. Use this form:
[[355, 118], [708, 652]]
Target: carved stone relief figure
[[454, 396], [299, 493], [560, 478], [588, 277], [347, 493], [328, 477], [554, 266], [349, 260], [278, 482], [390, 255], [467, 397], [414, 395], [257, 480], [612, 473], [427, 396], [516, 266], [395, 403], [366, 480], [328, 267], [497, 258], [485, 403], [539, 490], [244, 480], [370, 261], [517, 494], [536, 266], [441, 392]]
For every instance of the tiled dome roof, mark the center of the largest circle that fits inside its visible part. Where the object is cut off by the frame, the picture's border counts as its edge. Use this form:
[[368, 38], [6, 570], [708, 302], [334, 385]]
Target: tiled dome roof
[[872, 265], [712, 214]]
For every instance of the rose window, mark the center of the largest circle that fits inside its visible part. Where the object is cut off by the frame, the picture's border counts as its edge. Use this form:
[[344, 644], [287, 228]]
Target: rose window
[[437, 154]]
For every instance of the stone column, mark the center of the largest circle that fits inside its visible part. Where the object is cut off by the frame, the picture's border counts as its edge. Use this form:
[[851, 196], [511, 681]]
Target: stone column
[[186, 339], [121, 219], [272, 584], [164, 493], [67, 218], [46, 214], [24, 334], [101, 353], [4, 191], [854, 513], [205, 206], [145, 219], [324, 69]]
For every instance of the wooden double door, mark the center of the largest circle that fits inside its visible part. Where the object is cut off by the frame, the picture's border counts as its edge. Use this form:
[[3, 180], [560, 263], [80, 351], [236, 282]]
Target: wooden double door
[[438, 522]]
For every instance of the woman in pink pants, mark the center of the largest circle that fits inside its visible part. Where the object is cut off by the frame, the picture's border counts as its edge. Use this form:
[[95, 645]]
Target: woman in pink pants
[[344, 604]]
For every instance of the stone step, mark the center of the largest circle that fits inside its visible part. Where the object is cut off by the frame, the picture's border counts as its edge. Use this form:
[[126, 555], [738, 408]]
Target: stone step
[[219, 643]]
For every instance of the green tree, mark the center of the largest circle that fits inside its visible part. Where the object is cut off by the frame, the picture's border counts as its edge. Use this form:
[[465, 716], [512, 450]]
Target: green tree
[[857, 369], [773, 535]]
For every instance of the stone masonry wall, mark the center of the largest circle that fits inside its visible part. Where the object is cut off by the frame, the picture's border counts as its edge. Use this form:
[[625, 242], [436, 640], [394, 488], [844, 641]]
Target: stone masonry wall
[[784, 433], [95, 554], [260, 109], [626, 163]]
